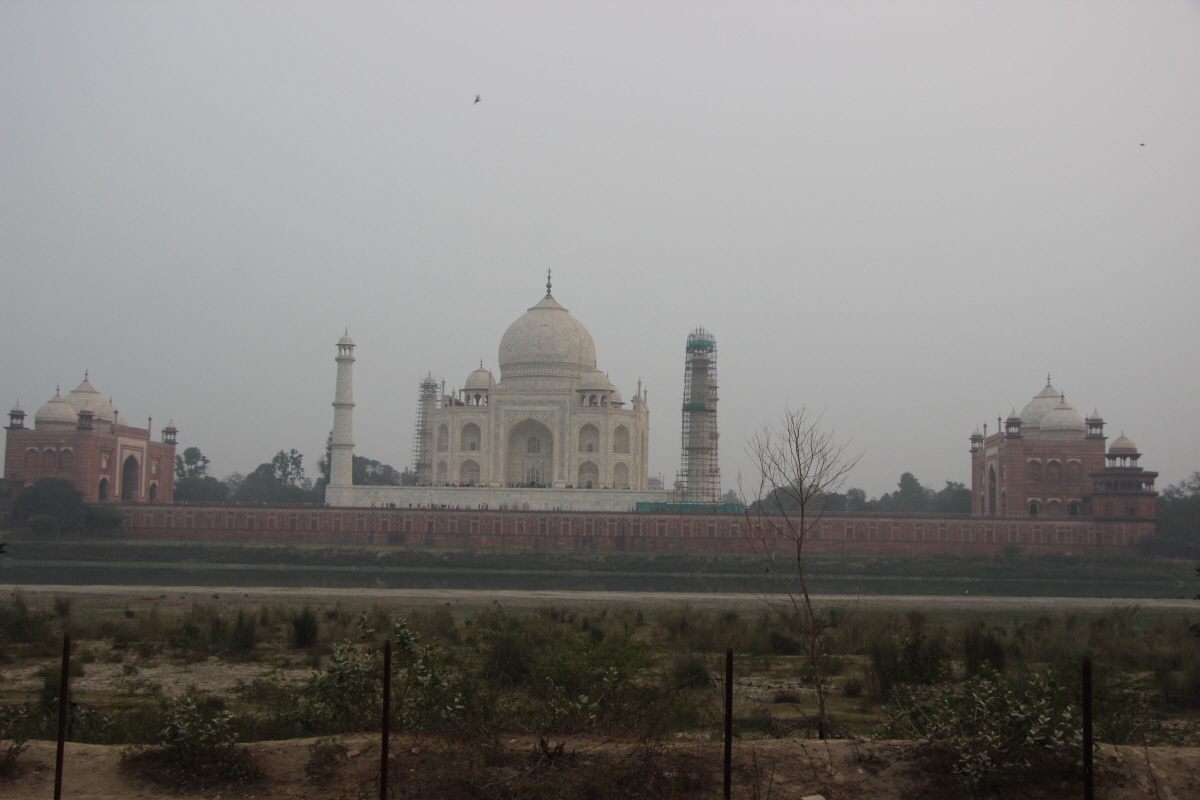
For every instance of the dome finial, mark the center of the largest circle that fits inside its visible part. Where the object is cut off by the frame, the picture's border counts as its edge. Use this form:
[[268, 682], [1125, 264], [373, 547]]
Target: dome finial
[[85, 374], [1047, 378], [547, 283]]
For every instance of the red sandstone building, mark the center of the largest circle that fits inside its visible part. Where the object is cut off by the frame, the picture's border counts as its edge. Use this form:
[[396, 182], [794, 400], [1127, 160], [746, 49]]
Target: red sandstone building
[[1050, 461], [82, 438]]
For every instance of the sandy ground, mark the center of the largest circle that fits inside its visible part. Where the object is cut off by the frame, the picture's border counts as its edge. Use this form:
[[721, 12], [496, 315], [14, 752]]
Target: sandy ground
[[784, 769], [118, 596]]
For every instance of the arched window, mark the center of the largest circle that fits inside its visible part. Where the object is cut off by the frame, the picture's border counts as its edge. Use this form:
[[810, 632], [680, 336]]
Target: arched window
[[443, 439], [66, 460], [1034, 509], [1074, 471], [154, 493], [470, 437], [31, 457], [592, 400], [1033, 470], [621, 439], [103, 462], [992, 489], [589, 439], [103, 492], [468, 473], [1054, 471], [621, 476], [49, 459], [153, 467], [1073, 509], [533, 445], [589, 476], [1054, 508]]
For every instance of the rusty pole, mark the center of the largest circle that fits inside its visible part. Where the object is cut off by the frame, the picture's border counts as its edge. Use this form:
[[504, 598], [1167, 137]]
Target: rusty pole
[[1089, 777], [64, 695], [728, 721], [387, 718]]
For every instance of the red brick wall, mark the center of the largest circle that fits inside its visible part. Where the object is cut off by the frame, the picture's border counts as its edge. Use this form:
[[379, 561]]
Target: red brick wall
[[624, 532]]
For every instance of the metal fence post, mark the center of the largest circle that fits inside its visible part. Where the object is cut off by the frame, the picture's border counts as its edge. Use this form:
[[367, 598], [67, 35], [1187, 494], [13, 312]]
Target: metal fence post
[[1089, 777], [64, 694], [728, 722], [387, 718]]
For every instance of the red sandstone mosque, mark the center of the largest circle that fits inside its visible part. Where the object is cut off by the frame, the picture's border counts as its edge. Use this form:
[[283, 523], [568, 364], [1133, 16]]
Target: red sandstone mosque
[[82, 438], [1050, 461]]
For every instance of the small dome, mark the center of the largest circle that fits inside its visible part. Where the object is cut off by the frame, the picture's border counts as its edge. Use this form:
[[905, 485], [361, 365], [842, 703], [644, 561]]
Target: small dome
[[480, 379], [171, 428], [1095, 418], [978, 434], [546, 341], [595, 381], [346, 339], [1123, 445], [1063, 421], [615, 396], [17, 410], [56, 413], [1014, 416], [1041, 405], [85, 396]]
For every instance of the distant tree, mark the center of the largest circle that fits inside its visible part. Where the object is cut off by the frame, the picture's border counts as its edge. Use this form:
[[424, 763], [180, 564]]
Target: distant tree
[[233, 482], [276, 482], [408, 477], [731, 498], [49, 506], [288, 467], [192, 464], [856, 501], [54, 505], [954, 499], [201, 490], [1178, 531]]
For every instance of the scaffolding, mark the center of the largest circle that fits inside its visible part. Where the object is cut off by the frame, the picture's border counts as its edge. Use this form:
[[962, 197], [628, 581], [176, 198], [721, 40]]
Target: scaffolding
[[423, 435], [699, 478]]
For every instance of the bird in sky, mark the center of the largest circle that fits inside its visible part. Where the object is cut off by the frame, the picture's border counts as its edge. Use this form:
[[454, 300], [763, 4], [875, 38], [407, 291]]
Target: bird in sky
[[476, 99]]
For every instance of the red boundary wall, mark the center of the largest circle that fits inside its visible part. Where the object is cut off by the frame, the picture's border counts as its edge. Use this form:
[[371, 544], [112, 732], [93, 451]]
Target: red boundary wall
[[625, 532]]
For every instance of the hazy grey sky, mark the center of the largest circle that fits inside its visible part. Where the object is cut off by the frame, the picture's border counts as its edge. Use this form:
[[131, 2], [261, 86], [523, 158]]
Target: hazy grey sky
[[904, 213]]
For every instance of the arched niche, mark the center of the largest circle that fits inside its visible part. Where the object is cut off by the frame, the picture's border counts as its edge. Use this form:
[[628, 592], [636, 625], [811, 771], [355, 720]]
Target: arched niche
[[589, 476], [621, 476], [470, 437], [589, 439], [621, 439], [468, 473], [529, 454], [130, 475]]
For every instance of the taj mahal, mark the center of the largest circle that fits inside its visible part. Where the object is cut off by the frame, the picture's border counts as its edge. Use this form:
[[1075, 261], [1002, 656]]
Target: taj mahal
[[552, 433]]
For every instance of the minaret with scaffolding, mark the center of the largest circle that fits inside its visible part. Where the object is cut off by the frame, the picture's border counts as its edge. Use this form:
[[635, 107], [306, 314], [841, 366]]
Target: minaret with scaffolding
[[700, 471], [423, 436]]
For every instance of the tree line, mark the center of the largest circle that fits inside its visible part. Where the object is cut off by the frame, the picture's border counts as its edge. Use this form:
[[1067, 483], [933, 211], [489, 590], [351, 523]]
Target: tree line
[[910, 497], [282, 480]]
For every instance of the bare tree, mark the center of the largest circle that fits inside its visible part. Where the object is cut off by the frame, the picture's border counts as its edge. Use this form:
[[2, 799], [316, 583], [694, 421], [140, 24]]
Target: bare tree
[[799, 465]]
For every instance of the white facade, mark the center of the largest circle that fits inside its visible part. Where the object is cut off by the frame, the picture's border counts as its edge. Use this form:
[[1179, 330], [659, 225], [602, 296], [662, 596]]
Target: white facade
[[553, 424]]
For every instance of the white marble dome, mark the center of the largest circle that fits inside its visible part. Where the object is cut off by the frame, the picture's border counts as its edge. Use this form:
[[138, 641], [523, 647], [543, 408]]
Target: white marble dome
[[480, 379], [547, 340], [1041, 405], [56, 413], [1063, 422], [85, 396], [595, 381]]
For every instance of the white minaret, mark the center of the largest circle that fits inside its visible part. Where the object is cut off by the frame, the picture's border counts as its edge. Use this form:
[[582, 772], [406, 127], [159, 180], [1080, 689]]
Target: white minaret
[[341, 460]]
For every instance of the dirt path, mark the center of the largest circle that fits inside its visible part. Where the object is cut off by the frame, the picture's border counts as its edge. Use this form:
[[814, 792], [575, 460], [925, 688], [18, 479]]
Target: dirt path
[[784, 769]]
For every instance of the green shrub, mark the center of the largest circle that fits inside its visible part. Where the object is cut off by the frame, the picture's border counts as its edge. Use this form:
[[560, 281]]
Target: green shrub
[[992, 731], [196, 749], [14, 733]]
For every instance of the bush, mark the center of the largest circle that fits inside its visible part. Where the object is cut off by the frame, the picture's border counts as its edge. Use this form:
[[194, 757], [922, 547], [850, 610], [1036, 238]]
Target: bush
[[993, 732], [14, 729], [197, 749], [305, 629]]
